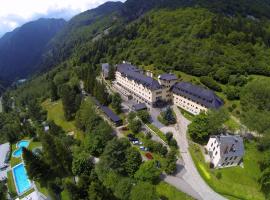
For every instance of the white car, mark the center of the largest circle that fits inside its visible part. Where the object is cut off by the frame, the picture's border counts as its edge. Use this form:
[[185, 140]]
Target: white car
[[135, 142]]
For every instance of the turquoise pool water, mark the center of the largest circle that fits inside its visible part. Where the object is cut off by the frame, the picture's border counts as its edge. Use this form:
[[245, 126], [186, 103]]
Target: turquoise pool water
[[17, 153], [21, 179]]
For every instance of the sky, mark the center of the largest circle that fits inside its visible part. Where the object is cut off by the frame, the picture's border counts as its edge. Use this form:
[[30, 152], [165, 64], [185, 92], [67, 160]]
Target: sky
[[14, 13]]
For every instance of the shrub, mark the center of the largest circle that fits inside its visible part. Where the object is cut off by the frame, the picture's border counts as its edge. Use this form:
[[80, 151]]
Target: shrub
[[210, 83], [219, 175], [148, 135], [167, 117]]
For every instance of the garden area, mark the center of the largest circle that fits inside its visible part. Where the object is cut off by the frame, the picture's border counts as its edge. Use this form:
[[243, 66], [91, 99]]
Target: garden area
[[56, 114], [167, 117], [234, 182]]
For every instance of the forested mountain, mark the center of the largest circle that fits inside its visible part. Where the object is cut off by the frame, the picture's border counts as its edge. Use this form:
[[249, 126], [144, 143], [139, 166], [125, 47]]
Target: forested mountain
[[85, 28], [78, 30], [21, 49], [193, 40], [89, 25]]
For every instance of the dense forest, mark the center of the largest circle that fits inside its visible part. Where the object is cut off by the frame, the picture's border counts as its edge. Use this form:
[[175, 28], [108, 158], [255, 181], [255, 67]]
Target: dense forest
[[195, 41]]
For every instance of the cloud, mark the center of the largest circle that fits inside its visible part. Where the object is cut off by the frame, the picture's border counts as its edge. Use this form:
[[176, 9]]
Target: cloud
[[14, 13]]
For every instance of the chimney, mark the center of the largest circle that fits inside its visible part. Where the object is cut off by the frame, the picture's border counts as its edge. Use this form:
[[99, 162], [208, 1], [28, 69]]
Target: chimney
[[149, 73]]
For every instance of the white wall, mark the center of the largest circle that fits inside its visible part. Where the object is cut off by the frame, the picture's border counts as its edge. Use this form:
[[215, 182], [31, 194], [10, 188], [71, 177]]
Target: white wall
[[188, 105]]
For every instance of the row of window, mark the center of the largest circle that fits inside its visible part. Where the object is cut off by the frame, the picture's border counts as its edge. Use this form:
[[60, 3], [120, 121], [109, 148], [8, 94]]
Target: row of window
[[186, 107], [228, 163], [139, 98], [189, 100], [231, 158]]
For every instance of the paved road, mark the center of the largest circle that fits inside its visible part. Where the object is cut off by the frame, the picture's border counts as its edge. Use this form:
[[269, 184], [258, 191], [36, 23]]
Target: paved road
[[155, 112], [191, 176]]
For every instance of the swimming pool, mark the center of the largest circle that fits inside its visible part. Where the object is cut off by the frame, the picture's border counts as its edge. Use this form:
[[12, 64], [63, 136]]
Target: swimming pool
[[21, 179], [23, 143]]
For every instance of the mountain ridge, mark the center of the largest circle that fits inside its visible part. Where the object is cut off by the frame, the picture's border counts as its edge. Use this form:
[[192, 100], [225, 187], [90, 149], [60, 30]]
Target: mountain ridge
[[84, 27], [21, 50]]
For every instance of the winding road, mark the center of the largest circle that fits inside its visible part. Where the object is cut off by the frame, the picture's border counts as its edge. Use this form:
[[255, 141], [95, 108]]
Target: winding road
[[187, 178]]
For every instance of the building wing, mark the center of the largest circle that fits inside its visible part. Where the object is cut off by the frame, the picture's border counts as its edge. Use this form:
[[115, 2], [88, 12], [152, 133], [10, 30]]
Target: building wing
[[198, 94], [133, 73]]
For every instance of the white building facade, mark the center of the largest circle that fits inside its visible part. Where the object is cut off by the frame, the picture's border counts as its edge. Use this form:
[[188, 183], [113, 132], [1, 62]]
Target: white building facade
[[225, 150], [144, 89], [131, 82], [194, 99]]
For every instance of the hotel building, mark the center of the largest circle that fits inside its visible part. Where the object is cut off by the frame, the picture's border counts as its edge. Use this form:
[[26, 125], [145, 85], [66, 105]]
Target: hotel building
[[194, 99], [132, 83]]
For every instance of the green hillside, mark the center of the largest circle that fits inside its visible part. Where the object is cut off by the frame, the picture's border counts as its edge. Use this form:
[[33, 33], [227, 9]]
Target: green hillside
[[195, 41]]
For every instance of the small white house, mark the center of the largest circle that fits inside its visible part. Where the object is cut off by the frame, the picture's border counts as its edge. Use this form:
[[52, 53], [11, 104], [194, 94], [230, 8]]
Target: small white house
[[225, 150]]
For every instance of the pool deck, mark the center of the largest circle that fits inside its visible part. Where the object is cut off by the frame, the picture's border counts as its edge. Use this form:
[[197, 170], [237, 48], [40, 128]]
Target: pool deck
[[15, 183]]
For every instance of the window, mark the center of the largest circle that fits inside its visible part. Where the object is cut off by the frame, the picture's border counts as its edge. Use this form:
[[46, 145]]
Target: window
[[216, 153], [231, 158], [226, 158]]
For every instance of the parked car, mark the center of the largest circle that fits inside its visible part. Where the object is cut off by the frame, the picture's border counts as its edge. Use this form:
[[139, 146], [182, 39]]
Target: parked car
[[136, 142], [143, 148], [125, 129], [149, 156]]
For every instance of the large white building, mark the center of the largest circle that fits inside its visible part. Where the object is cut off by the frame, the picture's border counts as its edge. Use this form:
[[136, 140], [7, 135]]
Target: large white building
[[194, 99], [225, 150], [131, 82]]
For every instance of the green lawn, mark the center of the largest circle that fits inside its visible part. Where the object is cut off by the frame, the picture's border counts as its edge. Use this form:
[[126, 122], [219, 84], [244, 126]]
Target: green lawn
[[34, 145], [157, 131], [170, 192], [11, 185], [55, 113], [14, 161], [43, 190], [232, 124], [236, 182], [64, 195], [27, 193], [186, 114]]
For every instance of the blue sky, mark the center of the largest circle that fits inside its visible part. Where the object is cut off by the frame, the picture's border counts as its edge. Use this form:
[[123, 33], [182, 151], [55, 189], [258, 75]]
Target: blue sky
[[14, 13]]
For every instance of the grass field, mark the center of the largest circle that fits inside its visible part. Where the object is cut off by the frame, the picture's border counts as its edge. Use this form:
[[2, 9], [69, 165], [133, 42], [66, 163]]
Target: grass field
[[170, 192], [157, 131], [236, 182], [232, 124], [186, 114], [56, 113], [11, 185], [43, 190], [14, 161], [27, 193]]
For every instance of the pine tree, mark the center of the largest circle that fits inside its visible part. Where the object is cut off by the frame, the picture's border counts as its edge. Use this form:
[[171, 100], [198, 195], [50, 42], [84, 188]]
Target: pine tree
[[53, 90], [37, 170]]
